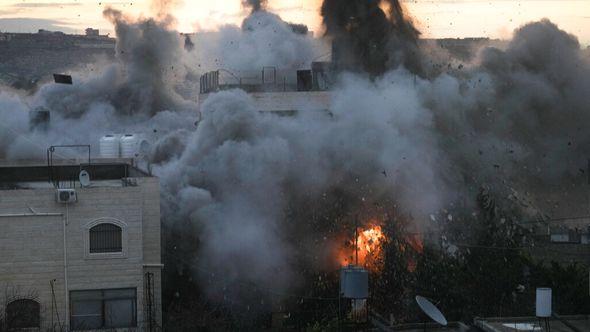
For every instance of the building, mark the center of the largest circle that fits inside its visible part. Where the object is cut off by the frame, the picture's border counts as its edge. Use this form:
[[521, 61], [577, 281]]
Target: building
[[79, 250], [275, 90], [566, 241], [279, 90], [92, 32]]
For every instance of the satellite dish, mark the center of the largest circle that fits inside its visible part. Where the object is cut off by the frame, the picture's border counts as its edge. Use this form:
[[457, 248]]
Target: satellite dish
[[84, 179], [431, 310]]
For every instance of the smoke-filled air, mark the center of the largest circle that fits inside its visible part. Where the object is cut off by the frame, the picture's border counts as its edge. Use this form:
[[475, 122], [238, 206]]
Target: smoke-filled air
[[260, 200]]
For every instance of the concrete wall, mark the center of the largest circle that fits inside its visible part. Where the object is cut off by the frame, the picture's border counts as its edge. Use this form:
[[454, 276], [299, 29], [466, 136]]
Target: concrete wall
[[32, 254], [287, 101]]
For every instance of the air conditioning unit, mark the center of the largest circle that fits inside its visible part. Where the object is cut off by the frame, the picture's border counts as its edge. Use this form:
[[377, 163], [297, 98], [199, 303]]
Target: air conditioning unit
[[65, 196]]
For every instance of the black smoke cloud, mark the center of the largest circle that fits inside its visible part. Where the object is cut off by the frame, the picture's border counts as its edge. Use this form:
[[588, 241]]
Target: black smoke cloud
[[514, 118], [149, 52], [368, 38], [255, 5]]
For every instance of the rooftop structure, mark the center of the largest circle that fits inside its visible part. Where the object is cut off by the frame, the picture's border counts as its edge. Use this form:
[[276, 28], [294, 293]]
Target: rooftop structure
[[565, 242], [31, 174], [431, 327], [514, 324], [273, 89]]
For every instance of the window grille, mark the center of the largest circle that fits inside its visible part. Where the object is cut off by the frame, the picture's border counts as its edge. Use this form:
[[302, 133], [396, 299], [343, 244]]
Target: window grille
[[106, 238]]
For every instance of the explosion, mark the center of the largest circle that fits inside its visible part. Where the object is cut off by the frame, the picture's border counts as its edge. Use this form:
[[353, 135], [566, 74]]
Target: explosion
[[366, 249]]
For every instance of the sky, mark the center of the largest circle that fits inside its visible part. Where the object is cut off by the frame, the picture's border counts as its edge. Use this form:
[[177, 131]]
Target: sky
[[435, 18]]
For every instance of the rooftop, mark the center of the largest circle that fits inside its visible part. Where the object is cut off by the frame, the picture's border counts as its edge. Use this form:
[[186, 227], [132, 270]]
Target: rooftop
[[431, 327], [64, 173], [515, 324]]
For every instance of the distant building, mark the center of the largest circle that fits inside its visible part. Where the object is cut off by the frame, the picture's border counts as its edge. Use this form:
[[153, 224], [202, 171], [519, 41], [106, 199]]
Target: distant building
[[47, 32], [92, 32], [80, 259], [566, 242]]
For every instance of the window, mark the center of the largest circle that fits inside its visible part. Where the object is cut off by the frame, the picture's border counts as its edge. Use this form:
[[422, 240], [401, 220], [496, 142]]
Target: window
[[23, 313], [99, 309], [106, 238]]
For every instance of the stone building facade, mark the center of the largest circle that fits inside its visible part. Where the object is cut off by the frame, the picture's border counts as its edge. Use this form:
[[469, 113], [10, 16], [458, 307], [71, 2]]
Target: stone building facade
[[86, 265]]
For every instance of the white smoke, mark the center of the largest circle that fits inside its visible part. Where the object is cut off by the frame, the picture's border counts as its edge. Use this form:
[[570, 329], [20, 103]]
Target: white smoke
[[264, 39]]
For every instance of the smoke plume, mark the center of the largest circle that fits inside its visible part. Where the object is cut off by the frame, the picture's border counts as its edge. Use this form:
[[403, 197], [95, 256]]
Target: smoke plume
[[255, 5], [263, 39], [368, 38], [134, 94]]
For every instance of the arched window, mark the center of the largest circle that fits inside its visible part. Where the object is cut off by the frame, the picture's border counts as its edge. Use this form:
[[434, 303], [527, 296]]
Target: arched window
[[106, 238], [23, 313]]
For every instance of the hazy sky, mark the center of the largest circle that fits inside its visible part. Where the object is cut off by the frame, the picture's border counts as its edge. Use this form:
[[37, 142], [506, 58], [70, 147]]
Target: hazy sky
[[436, 18]]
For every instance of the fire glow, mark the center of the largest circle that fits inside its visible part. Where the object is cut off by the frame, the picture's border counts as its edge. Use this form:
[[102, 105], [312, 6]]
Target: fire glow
[[365, 250]]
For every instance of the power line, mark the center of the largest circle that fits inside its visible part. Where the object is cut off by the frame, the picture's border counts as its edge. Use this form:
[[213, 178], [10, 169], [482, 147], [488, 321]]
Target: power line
[[551, 220], [462, 245]]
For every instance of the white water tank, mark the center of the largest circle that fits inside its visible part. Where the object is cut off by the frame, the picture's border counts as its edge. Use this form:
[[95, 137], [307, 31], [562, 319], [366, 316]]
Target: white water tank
[[354, 282], [109, 146], [543, 303], [129, 146]]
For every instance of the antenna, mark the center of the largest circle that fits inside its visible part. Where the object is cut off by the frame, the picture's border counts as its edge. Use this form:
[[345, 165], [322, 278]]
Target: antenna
[[431, 310], [84, 179]]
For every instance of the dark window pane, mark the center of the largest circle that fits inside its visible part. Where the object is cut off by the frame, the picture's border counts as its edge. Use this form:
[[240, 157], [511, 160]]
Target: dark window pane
[[106, 238], [120, 313], [86, 322], [86, 308], [98, 309]]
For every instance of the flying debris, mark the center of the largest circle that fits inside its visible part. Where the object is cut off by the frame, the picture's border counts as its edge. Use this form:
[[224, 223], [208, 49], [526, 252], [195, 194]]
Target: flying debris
[[255, 5], [62, 79]]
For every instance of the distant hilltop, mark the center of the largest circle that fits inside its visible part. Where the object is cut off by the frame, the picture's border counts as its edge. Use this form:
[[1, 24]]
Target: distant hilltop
[[27, 58], [57, 39]]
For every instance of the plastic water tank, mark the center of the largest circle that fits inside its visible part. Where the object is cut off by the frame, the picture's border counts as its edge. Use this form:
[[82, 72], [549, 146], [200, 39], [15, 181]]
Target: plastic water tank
[[354, 282], [543, 302], [109, 146], [129, 146]]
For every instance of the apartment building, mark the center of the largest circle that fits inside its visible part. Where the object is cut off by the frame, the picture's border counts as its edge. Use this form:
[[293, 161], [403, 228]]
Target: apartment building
[[79, 246]]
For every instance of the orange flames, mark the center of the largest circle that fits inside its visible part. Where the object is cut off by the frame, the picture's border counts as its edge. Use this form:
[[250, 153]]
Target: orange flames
[[367, 248]]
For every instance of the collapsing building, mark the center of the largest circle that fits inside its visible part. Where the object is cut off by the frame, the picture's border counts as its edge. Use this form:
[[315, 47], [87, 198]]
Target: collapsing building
[[80, 245]]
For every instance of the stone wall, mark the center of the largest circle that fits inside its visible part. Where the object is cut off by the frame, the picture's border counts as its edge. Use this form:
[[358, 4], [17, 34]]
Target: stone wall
[[32, 246]]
